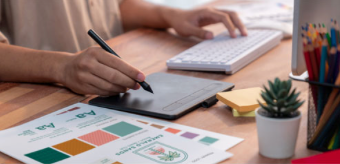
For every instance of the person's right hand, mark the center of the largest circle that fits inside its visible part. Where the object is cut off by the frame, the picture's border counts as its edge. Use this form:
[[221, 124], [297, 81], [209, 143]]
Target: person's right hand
[[98, 72]]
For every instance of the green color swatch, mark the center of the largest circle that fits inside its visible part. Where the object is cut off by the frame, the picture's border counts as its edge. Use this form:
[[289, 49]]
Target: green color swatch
[[122, 129], [208, 140], [47, 155]]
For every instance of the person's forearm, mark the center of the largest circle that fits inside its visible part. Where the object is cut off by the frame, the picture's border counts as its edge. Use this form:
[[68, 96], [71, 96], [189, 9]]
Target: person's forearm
[[19, 64], [138, 13]]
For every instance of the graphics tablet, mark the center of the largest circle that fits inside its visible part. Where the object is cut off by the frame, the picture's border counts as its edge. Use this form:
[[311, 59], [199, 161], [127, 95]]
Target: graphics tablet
[[174, 96]]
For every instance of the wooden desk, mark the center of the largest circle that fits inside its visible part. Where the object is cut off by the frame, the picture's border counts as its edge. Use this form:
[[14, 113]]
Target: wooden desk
[[20, 103]]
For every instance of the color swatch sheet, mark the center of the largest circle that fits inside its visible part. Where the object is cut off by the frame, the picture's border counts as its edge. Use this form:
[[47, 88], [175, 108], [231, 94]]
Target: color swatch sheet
[[215, 140], [86, 134]]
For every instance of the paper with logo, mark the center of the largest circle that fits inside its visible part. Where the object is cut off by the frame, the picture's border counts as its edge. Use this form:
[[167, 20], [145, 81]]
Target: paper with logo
[[85, 134], [215, 140]]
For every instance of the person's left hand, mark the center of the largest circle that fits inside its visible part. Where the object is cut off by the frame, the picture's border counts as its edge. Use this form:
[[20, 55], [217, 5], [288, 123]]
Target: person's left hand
[[190, 23]]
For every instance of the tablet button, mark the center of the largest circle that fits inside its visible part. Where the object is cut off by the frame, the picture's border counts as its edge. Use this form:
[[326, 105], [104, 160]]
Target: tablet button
[[172, 107], [199, 93], [186, 100], [191, 97]]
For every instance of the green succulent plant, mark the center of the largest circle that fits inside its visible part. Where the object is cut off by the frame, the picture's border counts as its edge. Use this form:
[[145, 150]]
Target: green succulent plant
[[281, 101]]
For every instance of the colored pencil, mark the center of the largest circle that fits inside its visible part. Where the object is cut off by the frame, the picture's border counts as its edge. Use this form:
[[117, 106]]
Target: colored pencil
[[321, 49], [330, 127], [331, 143], [337, 140], [326, 34], [337, 63], [333, 34], [313, 59], [331, 62], [337, 31], [324, 55], [308, 63], [331, 131], [324, 126], [317, 52], [328, 110]]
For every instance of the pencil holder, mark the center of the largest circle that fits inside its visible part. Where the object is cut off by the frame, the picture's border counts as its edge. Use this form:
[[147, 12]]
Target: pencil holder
[[329, 134], [311, 124]]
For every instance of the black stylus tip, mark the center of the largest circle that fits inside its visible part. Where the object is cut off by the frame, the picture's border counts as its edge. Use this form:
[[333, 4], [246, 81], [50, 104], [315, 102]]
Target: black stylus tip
[[149, 89], [145, 86]]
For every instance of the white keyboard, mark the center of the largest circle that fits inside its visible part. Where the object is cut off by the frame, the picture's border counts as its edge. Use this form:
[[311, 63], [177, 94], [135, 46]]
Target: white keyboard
[[226, 54]]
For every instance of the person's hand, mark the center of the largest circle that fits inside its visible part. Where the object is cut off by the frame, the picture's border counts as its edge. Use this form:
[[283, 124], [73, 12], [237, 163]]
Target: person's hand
[[189, 23], [98, 72]]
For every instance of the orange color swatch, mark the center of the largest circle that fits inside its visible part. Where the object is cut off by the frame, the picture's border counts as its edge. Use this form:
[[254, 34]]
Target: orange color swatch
[[73, 147], [116, 163], [171, 130]]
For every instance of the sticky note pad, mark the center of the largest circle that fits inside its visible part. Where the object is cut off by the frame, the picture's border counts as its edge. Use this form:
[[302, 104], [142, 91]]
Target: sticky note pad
[[243, 100], [243, 114]]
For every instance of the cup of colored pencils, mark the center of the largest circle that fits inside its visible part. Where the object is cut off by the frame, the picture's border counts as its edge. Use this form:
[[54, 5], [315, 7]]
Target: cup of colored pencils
[[321, 49]]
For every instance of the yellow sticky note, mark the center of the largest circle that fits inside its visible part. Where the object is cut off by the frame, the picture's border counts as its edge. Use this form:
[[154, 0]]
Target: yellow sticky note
[[243, 100], [243, 114]]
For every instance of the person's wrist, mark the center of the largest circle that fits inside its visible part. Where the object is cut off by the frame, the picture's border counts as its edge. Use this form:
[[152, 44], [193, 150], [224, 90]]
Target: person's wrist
[[58, 70]]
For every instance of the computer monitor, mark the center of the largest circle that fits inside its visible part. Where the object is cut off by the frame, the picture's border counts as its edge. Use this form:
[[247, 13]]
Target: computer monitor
[[310, 11]]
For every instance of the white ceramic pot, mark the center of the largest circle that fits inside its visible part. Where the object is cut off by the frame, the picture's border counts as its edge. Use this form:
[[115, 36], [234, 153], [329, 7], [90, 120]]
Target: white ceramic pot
[[277, 137]]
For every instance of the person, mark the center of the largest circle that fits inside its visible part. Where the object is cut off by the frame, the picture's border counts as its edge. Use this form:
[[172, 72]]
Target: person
[[39, 39]]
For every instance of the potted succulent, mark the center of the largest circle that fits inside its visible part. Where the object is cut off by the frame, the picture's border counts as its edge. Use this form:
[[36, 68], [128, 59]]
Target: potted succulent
[[278, 121]]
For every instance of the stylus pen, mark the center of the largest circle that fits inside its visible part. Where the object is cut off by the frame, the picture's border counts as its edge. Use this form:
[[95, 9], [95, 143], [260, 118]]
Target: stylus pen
[[106, 47]]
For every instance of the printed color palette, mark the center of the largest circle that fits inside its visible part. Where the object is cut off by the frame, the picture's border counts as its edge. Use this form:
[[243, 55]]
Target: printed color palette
[[98, 138], [47, 155], [171, 130], [208, 140], [205, 140], [189, 135], [122, 129], [73, 147]]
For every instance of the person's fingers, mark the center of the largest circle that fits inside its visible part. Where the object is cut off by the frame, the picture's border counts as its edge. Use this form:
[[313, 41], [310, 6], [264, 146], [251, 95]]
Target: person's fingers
[[113, 76], [225, 19], [237, 21], [93, 90], [114, 62], [104, 86], [193, 30]]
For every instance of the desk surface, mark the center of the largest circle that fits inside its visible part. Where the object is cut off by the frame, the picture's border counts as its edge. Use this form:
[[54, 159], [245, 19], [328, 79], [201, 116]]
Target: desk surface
[[20, 103]]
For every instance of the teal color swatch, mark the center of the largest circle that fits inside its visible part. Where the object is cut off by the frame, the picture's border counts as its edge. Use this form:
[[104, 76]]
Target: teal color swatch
[[208, 140], [47, 155], [122, 129]]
